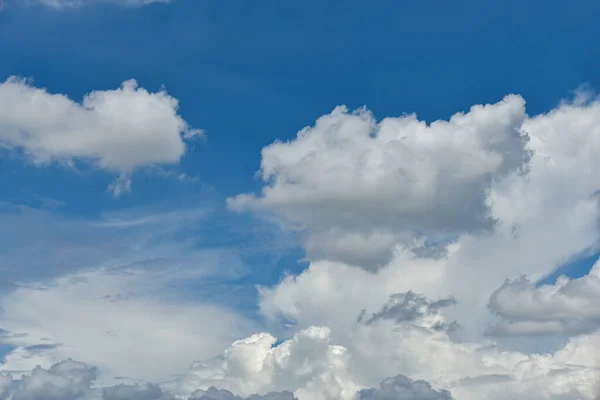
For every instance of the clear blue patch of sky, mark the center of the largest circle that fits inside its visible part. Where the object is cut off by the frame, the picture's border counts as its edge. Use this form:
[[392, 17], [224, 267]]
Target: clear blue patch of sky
[[576, 268], [5, 349]]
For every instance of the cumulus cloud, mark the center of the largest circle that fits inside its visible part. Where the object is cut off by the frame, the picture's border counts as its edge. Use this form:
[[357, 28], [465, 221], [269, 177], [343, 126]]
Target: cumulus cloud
[[350, 179], [545, 215], [308, 364], [66, 380], [400, 387], [135, 392], [539, 213], [116, 130], [489, 195], [314, 367], [567, 307], [213, 393]]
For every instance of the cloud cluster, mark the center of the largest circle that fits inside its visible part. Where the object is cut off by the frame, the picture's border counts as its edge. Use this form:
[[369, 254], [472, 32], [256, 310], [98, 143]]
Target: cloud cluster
[[213, 393], [135, 392], [534, 210], [350, 180], [400, 387], [315, 368], [66, 380], [567, 307], [71, 380], [412, 230], [307, 364], [116, 130]]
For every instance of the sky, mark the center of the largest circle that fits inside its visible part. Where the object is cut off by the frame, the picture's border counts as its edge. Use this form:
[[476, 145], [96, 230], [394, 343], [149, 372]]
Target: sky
[[315, 200]]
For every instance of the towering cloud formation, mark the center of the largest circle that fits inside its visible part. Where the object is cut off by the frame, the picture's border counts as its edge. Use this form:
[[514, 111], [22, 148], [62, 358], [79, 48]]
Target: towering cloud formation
[[447, 209]]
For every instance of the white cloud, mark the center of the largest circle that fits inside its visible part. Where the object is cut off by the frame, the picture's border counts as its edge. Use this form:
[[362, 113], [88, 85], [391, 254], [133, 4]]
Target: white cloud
[[567, 307], [545, 214], [350, 179], [66, 380], [135, 392], [350, 328], [315, 368], [128, 323], [307, 364], [400, 387], [213, 393], [126, 292], [117, 130]]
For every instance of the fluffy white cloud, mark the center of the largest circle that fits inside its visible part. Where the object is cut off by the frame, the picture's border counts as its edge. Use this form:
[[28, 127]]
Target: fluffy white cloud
[[352, 180], [66, 380], [117, 130], [545, 213], [213, 393], [307, 364], [569, 306], [314, 367], [544, 216], [400, 387], [135, 392], [471, 217]]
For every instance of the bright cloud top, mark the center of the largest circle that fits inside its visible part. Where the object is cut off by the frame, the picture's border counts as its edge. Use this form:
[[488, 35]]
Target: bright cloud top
[[316, 368], [117, 130], [352, 177]]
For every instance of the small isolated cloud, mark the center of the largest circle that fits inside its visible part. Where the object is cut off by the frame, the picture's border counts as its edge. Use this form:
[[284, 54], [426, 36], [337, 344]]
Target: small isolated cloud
[[570, 306], [116, 130]]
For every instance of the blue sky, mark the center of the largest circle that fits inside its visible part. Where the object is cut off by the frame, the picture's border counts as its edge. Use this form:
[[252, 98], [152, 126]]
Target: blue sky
[[251, 73]]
